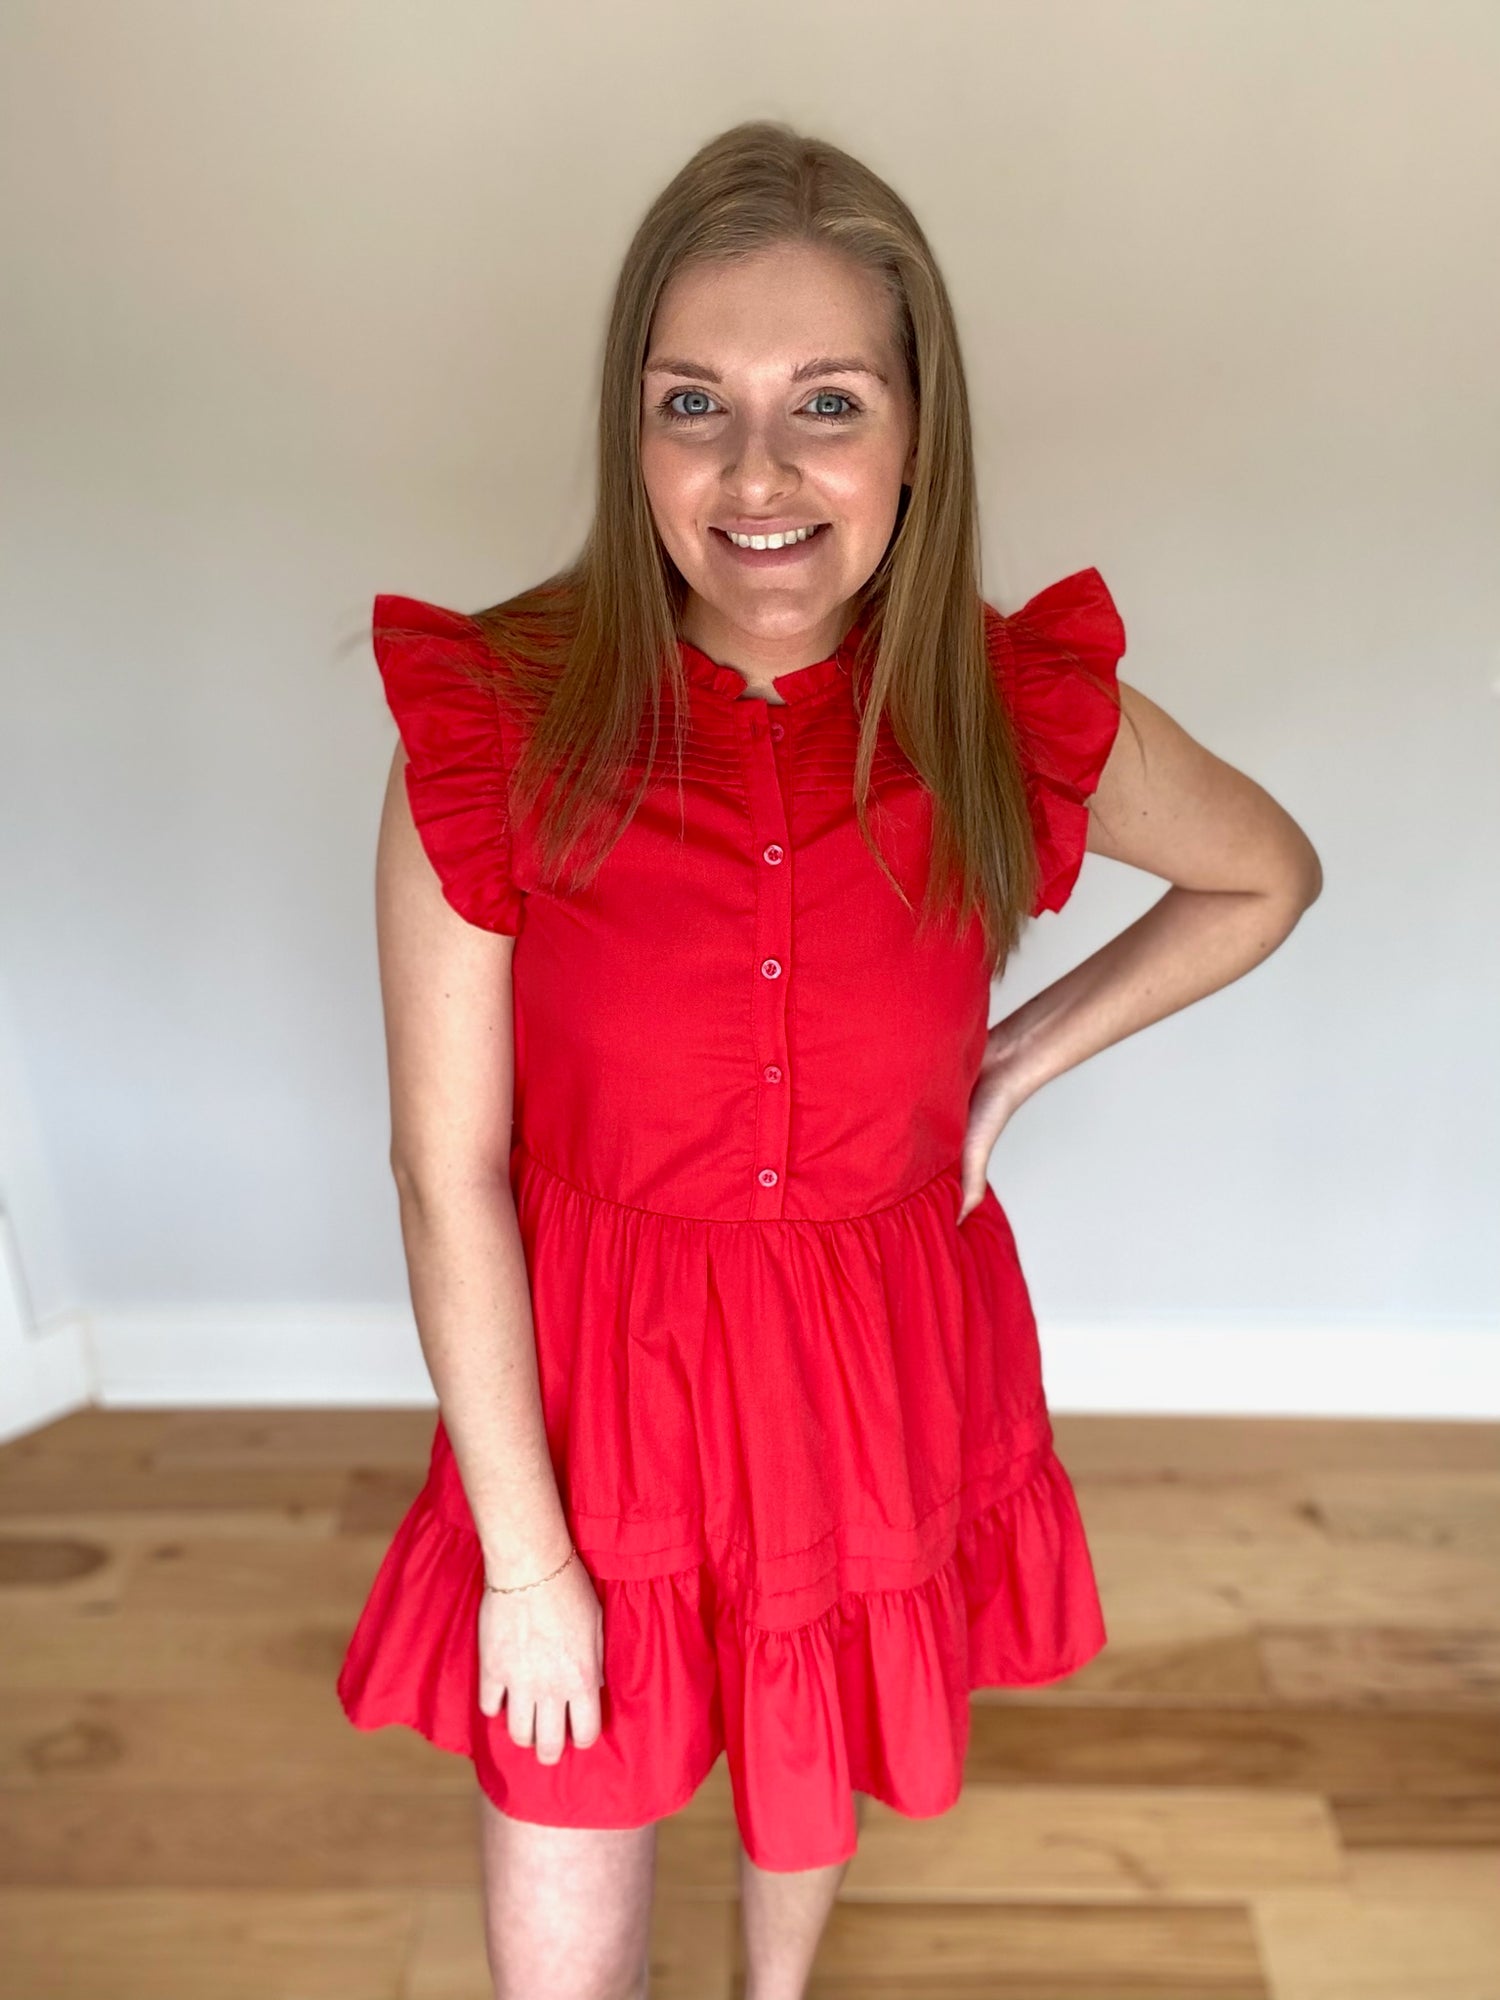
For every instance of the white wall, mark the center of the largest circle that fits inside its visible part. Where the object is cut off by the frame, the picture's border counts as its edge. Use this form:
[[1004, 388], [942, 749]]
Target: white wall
[[305, 302]]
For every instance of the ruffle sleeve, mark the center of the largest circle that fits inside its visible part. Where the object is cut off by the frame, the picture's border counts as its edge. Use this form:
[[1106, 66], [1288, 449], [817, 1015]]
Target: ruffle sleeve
[[1056, 664], [457, 765]]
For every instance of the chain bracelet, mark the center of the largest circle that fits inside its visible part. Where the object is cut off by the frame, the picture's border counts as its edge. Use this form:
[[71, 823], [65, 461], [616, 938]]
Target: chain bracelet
[[506, 1588]]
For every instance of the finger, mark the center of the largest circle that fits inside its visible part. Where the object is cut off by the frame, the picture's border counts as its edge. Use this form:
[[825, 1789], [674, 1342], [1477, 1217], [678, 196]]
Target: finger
[[584, 1718], [551, 1725], [522, 1716], [491, 1694]]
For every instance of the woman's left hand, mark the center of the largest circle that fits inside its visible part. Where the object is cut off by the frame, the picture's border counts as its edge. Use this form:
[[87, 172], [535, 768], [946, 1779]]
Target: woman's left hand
[[996, 1096]]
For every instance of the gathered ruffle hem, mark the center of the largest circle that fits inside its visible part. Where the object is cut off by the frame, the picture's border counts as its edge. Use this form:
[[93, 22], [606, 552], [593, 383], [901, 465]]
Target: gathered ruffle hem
[[816, 1520]]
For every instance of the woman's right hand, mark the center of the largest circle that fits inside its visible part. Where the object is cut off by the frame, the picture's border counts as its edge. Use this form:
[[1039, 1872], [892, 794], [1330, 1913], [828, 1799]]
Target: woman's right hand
[[541, 1651]]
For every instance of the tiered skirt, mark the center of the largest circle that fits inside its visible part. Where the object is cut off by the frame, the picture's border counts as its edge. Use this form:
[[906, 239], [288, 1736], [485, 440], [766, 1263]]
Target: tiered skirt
[[810, 1470]]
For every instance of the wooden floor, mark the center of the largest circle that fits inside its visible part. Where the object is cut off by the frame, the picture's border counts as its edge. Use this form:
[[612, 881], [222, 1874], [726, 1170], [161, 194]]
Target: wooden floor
[[1282, 1776]]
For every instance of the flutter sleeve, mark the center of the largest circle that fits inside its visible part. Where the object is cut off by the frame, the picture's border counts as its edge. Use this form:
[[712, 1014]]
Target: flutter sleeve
[[457, 768], [1056, 664]]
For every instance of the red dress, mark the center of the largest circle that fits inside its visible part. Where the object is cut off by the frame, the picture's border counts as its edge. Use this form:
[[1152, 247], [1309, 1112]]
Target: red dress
[[794, 1408]]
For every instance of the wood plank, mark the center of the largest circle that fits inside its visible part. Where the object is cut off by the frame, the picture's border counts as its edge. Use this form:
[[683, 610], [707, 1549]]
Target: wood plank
[[1362, 1665], [1457, 1511], [310, 1439], [317, 1834], [1205, 1950], [1346, 1944], [105, 1944], [1396, 1819], [1092, 1844], [277, 1736], [293, 1519], [124, 1486], [376, 1497], [316, 1440], [86, 1649], [1139, 1663], [1178, 1582], [1425, 1874], [698, 1847], [1272, 1507], [1212, 1449], [228, 1578], [1410, 1752], [1452, 1512]]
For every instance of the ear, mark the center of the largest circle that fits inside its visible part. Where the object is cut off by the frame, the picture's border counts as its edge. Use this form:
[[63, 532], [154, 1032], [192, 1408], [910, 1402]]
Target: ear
[[909, 471]]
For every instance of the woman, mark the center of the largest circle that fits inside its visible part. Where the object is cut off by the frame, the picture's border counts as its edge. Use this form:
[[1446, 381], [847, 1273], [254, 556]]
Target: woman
[[696, 866]]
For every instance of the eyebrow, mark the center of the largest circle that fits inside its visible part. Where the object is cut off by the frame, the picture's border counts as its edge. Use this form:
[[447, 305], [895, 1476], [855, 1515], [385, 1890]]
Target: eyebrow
[[823, 364]]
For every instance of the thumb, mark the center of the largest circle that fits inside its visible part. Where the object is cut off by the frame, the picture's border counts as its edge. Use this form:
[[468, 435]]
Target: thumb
[[975, 1181]]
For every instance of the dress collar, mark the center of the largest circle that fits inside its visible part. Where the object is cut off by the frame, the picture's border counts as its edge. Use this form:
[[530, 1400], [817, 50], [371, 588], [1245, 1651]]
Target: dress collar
[[800, 685]]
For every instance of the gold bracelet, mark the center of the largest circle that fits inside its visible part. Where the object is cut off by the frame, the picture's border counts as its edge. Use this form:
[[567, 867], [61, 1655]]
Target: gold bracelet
[[506, 1588]]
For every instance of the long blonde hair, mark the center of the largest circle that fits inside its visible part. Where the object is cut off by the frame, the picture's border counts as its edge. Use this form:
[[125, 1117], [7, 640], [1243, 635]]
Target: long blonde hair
[[588, 651]]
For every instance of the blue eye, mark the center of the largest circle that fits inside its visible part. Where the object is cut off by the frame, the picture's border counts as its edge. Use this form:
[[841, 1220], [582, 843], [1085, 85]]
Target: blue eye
[[665, 407], [683, 416]]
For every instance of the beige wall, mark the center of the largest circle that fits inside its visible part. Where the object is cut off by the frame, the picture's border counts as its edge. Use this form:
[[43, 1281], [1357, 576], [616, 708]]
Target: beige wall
[[304, 301]]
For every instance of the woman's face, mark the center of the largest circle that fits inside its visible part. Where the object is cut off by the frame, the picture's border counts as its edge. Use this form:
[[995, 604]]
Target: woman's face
[[774, 397]]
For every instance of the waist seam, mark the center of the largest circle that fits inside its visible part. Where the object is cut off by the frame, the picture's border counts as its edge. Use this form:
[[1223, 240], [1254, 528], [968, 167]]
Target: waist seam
[[954, 1166]]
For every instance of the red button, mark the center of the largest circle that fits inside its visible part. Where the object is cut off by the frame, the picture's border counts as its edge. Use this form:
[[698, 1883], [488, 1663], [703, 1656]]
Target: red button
[[773, 853], [771, 967], [768, 1177], [778, 730], [771, 1073]]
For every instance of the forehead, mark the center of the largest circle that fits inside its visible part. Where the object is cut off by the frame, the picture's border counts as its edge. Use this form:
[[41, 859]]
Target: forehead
[[772, 307]]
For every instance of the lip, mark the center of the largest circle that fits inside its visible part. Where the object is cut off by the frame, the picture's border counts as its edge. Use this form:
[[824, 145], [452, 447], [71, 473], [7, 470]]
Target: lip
[[791, 552]]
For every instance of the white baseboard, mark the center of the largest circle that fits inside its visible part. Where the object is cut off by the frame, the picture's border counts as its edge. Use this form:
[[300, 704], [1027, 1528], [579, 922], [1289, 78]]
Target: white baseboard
[[369, 1356], [1246, 1368], [207, 1356], [45, 1371]]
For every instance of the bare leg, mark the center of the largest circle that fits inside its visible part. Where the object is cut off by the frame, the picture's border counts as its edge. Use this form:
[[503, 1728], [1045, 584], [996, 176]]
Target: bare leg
[[567, 1910], [784, 1914]]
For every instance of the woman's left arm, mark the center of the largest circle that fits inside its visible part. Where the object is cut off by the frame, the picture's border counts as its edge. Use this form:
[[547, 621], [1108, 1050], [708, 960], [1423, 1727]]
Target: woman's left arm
[[1241, 872]]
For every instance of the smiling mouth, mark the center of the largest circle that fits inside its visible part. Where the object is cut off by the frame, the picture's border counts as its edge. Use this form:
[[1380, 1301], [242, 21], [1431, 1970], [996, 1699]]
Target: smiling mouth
[[786, 538]]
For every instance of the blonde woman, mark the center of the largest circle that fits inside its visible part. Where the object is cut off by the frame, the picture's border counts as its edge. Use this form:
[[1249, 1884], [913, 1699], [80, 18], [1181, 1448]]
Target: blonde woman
[[697, 863]]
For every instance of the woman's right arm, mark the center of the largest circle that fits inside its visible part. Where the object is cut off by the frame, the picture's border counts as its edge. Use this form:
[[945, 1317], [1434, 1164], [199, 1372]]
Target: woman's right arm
[[446, 989]]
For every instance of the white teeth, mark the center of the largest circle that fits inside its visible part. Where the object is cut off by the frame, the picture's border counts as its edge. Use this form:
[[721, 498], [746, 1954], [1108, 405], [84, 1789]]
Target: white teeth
[[772, 541]]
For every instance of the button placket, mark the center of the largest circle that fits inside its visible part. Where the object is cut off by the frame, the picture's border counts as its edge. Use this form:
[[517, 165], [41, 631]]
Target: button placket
[[771, 967]]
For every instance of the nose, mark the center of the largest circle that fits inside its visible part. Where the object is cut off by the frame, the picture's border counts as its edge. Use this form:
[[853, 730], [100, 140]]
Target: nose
[[760, 462]]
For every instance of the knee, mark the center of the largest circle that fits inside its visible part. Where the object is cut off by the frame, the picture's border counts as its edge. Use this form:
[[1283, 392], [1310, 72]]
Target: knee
[[635, 1986]]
